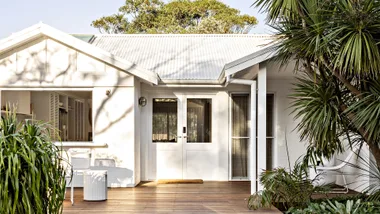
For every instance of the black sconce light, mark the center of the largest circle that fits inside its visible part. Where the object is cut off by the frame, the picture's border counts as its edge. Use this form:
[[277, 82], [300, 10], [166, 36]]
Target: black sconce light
[[142, 101]]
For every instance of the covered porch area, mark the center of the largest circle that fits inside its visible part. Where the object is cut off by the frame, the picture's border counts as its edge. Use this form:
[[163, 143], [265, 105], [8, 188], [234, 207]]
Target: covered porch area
[[150, 197]]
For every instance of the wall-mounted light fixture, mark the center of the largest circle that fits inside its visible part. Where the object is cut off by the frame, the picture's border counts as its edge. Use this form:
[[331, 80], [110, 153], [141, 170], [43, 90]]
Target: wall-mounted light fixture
[[142, 101], [108, 92]]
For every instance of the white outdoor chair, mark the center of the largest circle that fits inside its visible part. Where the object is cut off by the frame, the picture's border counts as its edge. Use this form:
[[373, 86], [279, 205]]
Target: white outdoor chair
[[321, 170], [80, 160]]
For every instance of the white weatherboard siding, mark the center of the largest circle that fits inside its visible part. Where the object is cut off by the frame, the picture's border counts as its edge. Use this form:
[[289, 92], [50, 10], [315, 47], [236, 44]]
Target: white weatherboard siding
[[45, 64]]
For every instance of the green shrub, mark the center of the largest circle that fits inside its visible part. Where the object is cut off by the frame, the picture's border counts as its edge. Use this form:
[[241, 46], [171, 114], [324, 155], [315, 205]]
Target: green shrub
[[284, 188], [32, 178], [327, 207]]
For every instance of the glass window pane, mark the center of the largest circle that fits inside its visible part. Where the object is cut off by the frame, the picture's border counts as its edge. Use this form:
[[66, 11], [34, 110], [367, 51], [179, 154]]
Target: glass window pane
[[240, 158], [164, 120], [270, 114], [240, 115], [269, 153], [199, 120], [240, 104]]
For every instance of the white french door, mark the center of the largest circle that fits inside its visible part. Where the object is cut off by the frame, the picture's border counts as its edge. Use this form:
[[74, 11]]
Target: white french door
[[182, 144]]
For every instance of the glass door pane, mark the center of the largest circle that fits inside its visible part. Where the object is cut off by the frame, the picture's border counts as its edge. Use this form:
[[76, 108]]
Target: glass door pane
[[164, 121], [199, 120], [240, 137]]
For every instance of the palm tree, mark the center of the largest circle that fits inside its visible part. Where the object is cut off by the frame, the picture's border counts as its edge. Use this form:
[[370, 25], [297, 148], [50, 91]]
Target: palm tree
[[336, 46]]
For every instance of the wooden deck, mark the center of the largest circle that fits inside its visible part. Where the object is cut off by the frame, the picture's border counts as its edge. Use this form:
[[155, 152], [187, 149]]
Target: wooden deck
[[209, 197]]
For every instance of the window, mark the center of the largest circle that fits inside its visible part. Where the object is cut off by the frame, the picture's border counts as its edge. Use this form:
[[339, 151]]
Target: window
[[199, 120], [68, 112], [270, 131], [164, 120], [240, 135]]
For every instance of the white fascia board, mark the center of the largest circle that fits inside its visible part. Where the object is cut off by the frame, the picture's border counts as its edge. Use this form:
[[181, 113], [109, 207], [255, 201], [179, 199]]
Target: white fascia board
[[42, 29], [21, 37], [248, 61]]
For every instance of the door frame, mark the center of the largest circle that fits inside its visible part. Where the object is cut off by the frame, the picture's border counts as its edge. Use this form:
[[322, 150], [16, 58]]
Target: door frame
[[149, 173]]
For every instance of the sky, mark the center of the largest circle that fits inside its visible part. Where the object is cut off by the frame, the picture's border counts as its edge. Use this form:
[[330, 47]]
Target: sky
[[75, 16]]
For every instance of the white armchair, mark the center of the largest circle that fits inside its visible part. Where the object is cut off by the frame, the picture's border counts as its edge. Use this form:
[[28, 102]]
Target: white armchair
[[337, 170]]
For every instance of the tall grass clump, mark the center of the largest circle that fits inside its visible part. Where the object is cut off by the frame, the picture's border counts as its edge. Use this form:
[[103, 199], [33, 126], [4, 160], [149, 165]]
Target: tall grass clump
[[32, 176]]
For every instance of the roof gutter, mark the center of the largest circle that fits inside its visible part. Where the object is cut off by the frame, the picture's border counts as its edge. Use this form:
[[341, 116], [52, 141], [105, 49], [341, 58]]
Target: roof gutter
[[238, 81], [190, 82]]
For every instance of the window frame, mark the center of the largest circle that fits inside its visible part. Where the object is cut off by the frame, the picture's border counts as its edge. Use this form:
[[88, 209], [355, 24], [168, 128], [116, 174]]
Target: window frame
[[177, 115]]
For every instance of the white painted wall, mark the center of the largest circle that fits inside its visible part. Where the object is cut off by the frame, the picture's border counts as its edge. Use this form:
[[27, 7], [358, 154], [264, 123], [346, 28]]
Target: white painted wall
[[284, 124], [45, 64]]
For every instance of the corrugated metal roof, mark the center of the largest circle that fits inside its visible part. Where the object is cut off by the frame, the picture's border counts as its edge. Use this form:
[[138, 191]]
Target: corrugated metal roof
[[182, 57]]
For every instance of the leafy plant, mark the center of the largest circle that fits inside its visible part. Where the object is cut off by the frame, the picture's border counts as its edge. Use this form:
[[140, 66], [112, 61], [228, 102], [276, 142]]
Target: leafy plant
[[286, 188], [349, 207], [32, 177], [336, 48], [368, 173]]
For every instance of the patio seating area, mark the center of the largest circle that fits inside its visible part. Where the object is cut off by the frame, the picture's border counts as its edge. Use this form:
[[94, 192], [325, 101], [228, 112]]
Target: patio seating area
[[150, 197]]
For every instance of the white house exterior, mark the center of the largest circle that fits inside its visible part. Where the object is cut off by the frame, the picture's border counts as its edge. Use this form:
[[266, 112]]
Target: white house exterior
[[206, 96]]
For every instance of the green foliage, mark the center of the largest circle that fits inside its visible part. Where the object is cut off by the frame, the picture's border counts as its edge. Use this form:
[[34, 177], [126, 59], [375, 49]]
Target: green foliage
[[349, 207], [32, 179], [336, 47], [180, 16], [290, 189], [316, 105], [367, 109]]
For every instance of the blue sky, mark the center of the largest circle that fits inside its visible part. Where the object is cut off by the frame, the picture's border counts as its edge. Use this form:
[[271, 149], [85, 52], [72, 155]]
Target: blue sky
[[75, 16]]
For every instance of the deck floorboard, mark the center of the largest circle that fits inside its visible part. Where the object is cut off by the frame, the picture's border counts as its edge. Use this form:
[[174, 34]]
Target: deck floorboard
[[150, 197]]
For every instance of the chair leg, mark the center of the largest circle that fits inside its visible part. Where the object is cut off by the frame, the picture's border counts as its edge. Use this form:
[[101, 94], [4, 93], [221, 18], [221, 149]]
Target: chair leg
[[72, 190], [343, 190], [345, 183]]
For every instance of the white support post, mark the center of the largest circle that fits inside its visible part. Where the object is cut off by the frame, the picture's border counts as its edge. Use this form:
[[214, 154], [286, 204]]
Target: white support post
[[261, 121], [252, 147]]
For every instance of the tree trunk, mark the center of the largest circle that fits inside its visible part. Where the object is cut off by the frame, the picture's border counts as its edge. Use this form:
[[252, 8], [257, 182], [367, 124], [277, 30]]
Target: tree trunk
[[375, 150]]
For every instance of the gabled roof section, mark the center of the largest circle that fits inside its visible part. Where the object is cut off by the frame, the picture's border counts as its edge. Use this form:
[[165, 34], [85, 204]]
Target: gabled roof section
[[183, 58], [39, 30], [249, 60]]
